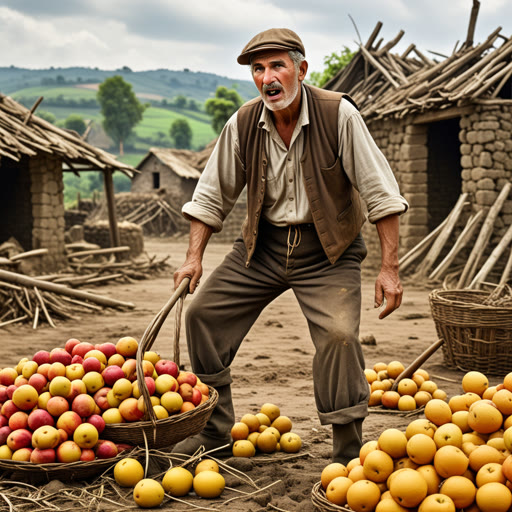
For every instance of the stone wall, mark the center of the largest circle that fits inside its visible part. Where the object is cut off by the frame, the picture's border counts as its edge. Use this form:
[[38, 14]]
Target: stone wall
[[48, 210], [129, 234], [486, 158]]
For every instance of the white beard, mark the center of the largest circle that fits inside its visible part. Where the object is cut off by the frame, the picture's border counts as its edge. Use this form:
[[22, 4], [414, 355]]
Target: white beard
[[283, 103]]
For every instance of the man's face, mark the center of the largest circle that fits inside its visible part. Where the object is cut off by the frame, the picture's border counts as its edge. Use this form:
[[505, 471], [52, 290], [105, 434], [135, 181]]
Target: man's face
[[277, 78]]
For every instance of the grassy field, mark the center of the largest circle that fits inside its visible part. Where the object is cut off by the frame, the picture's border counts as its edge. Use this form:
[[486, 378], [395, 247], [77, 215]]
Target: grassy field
[[68, 92]]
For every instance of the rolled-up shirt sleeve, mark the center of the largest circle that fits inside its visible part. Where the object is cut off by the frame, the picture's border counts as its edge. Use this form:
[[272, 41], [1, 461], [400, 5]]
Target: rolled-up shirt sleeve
[[366, 166], [221, 182]]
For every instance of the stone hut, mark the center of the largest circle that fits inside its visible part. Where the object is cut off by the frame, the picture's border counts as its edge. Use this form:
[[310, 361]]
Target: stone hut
[[162, 170], [33, 156], [444, 124]]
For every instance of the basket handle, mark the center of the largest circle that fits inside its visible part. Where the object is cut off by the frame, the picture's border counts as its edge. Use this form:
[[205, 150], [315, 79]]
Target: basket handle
[[149, 337]]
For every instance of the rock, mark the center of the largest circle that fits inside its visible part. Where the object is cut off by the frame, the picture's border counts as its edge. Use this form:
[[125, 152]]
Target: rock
[[368, 339]]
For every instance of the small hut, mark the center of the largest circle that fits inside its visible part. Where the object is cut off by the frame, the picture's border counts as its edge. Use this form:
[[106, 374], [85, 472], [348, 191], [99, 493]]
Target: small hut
[[33, 156], [161, 169], [443, 122]]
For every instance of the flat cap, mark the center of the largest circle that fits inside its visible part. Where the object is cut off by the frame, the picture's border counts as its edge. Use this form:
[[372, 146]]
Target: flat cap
[[271, 39]]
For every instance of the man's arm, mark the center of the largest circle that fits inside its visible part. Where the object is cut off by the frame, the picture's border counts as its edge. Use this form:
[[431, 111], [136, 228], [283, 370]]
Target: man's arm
[[388, 284], [193, 266]]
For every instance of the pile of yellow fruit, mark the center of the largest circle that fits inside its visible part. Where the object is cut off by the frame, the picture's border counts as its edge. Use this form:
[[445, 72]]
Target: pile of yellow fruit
[[457, 457], [267, 431], [410, 393], [207, 482]]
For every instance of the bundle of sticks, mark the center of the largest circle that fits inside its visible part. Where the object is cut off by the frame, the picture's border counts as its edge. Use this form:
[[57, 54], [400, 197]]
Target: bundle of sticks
[[436, 263], [157, 217], [27, 299]]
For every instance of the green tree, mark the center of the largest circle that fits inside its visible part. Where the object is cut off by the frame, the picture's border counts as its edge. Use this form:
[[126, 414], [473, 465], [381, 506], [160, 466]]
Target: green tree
[[180, 101], [76, 123], [181, 133], [333, 63], [120, 108], [223, 106], [47, 116]]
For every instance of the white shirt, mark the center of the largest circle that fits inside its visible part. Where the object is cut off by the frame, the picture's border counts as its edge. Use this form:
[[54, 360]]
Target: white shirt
[[285, 200]]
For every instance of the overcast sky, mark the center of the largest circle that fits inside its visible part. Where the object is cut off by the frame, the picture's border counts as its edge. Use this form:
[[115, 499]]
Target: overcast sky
[[207, 35]]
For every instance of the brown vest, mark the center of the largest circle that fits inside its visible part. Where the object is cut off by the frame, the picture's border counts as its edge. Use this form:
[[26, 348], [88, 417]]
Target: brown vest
[[334, 203]]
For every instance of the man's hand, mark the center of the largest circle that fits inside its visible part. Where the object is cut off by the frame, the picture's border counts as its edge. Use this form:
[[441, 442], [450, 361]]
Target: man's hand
[[193, 268], [388, 287], [388, 290]]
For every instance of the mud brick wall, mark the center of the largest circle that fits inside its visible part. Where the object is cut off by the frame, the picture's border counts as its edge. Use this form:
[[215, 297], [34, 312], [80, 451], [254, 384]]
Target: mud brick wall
[[129, 234], [48, 210], [486, 159]]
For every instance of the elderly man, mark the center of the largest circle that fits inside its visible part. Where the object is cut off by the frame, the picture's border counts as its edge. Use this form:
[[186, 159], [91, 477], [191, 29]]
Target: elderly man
[[307, 160]]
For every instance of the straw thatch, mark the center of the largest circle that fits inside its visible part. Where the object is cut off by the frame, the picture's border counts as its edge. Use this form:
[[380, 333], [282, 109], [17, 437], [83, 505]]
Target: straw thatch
[[23, 133]]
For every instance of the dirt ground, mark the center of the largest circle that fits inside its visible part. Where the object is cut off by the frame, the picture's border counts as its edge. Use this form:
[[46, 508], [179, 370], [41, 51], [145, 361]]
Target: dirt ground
[[273, 365]]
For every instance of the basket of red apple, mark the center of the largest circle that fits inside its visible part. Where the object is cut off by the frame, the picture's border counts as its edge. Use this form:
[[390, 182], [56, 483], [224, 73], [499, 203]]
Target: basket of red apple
[[155, 404]]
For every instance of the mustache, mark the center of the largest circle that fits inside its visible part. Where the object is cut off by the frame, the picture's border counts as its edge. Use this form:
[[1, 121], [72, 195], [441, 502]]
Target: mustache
[[272, 86]]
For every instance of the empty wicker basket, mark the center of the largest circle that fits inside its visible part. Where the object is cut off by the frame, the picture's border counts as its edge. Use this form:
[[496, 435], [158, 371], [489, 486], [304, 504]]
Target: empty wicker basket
[[476, 336]]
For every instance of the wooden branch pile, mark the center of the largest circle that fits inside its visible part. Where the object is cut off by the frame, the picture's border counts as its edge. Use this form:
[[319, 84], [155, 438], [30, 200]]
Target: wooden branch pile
[[385, 84], [23, 133], [98, 266], [466, 259], [26, 299], [150, 211]]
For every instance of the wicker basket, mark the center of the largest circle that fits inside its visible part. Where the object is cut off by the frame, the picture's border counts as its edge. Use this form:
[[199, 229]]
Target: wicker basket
[[36, 474], [153, 432], [476, 336], [322, 503]]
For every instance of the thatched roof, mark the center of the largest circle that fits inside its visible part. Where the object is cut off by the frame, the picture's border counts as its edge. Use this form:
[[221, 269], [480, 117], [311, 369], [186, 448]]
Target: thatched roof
[[174, 162], [23, 133], [385, 84]]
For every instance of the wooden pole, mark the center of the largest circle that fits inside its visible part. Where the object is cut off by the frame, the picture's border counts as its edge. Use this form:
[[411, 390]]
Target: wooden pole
[[472, 24], [111, 206], [23, 280]]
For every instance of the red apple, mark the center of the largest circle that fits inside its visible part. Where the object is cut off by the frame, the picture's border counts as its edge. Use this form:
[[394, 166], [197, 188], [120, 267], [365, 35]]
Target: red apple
[[38, 381], [166, 366], [130, 368], [68, 451], [57, 369], [8, 376], [124, 447], [112, 373], [38, 418], [196, 396], [187, 377], [84, 405], [57, 405], [41, 357], [129, 409], [20, 381], [91, 364], [10, 391], [77, 388], [106, 449], [60, 355], [70, 344], [3, 394], [97, 421], [3, 420], [9, 408], [82, 348], [19, 439], [69, 422], [100, 397], [43, 369], [150, 384], [77, 359], [18, 420], [109, 349], [4, 434], [42, 456], [87, 455]]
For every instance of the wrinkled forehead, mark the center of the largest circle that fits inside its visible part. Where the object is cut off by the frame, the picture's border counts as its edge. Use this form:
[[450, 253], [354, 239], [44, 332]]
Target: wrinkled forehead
[[269, 56]]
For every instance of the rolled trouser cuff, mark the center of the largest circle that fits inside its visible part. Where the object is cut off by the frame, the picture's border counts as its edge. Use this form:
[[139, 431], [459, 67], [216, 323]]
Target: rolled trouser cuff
[[344, 416], [223, 378]]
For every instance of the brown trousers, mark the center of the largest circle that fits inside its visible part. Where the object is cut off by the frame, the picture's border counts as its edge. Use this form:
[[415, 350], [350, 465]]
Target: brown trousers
[[229, 302]]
